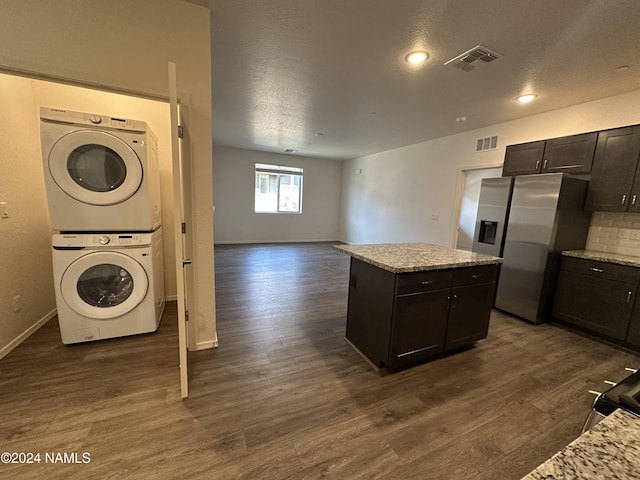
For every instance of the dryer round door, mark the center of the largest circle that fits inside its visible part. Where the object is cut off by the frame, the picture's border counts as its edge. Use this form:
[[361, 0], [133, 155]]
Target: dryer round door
[[95, 167], [102, 285]]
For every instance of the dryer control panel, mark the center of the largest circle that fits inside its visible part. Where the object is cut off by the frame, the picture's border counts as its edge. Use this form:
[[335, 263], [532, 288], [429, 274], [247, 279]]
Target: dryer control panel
[[91, 119]]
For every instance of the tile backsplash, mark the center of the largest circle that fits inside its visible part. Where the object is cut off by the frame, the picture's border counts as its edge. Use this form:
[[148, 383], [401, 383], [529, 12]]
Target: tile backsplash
[[615, 233]]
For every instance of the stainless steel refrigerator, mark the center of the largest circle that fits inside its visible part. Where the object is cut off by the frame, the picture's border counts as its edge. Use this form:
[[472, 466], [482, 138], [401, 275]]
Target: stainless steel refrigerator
[[543, 215]]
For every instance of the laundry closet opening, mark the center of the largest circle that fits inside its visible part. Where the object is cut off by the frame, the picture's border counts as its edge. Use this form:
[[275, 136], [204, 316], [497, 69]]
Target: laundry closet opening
[[27, 232]]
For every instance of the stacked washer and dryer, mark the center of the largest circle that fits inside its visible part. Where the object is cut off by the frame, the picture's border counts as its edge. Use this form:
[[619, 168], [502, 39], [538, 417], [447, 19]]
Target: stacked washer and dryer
[[103, 190]]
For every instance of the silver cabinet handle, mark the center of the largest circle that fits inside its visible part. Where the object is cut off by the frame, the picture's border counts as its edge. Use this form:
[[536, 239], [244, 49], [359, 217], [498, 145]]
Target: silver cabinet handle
[[628, 297], [624, 199], [597, 270], [633, 199], [544, 164], [537, 164], [426, 283], [186, 261], [475, 277]]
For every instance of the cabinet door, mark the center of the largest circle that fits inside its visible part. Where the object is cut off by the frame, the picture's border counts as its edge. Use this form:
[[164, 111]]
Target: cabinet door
[[469, 315], [572, 154], [614, 169], [523, 159], [598, 305], [634, 199], [633, 333], [418, 327]]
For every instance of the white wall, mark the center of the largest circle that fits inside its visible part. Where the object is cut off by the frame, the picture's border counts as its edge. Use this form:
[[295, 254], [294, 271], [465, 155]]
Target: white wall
[[398, 191], [126, 45], [25, 235], [233, 194]]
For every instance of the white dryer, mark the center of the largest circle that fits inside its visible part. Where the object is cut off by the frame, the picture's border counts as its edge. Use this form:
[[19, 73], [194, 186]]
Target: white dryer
[[101, 173], [108, 285]]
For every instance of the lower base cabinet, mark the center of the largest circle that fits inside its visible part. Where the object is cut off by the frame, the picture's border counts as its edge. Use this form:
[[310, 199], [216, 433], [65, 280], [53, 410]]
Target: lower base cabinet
[[599, 297], [469, 315], [396, 320], [418, 327]]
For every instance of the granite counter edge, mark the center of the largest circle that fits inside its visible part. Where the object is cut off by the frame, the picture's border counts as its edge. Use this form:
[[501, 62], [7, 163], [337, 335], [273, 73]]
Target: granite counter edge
[[613, 258], [420, 267]]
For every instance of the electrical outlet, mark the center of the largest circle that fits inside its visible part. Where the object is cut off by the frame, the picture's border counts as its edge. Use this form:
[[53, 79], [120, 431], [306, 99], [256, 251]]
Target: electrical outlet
[[4, 211], [635, 235], [434, 216], [17, 303]]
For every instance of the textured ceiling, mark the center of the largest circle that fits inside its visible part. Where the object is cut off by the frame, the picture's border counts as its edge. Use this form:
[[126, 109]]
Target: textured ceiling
[[287, 70]]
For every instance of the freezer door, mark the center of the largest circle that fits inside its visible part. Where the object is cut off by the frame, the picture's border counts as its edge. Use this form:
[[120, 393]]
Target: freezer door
[[530, 231], [493, 207]]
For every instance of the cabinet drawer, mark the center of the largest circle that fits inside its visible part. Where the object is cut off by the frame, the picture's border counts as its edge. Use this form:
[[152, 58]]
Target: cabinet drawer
[[418, 282], [604, 270], [473, 275]]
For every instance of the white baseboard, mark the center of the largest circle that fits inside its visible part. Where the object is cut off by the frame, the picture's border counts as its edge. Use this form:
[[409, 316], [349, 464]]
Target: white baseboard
[[4, 351], [258, 242], [205, 345]]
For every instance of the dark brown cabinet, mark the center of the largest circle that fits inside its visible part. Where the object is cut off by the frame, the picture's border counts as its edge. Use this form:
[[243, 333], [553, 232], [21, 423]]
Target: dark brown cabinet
[[615, 180], [523, 159], [418, 327], [469, 315], [598, 297], [571, 154], [396, 320]]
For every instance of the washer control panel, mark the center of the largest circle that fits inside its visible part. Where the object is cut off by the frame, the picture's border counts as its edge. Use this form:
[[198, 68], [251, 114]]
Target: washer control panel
[[102, 240]]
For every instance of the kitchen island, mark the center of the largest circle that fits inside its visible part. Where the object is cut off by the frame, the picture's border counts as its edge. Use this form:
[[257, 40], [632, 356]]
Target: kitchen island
[[410, 302]]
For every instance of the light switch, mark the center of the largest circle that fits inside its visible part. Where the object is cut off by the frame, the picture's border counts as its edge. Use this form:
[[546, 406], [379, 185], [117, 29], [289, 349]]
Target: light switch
[[4, 211]]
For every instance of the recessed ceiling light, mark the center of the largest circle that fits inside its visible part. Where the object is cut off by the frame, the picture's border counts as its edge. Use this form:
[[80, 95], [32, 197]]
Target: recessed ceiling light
[[416, 57], [526, 98]]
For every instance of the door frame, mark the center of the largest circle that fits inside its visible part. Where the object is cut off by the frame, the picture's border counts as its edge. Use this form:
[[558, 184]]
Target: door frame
[[460, 185]]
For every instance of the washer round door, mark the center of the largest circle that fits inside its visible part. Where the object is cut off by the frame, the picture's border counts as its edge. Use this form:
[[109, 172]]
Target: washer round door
[[104, 285], [95, 167]]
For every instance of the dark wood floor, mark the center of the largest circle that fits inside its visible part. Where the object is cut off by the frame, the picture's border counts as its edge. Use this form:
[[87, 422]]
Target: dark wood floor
[[284, 397]]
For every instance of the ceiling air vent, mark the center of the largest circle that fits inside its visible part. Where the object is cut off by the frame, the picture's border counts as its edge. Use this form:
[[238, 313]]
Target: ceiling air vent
[[487, 143], [470, 59]]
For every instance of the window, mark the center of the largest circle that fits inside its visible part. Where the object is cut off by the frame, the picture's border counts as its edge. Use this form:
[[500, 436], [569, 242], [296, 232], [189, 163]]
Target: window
[[278, 189]]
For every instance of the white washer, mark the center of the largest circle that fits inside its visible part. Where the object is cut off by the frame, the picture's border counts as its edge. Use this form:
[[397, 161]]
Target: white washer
[[101, 173], [108, 285]]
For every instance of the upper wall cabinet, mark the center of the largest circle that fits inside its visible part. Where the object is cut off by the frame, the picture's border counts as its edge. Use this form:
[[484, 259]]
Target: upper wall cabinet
[[523, 159], [571, 154], [615, 180]]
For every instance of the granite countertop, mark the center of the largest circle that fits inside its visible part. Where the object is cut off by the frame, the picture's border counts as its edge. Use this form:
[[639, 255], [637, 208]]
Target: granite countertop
[[616, 258], [610, 450], [415, 257]]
